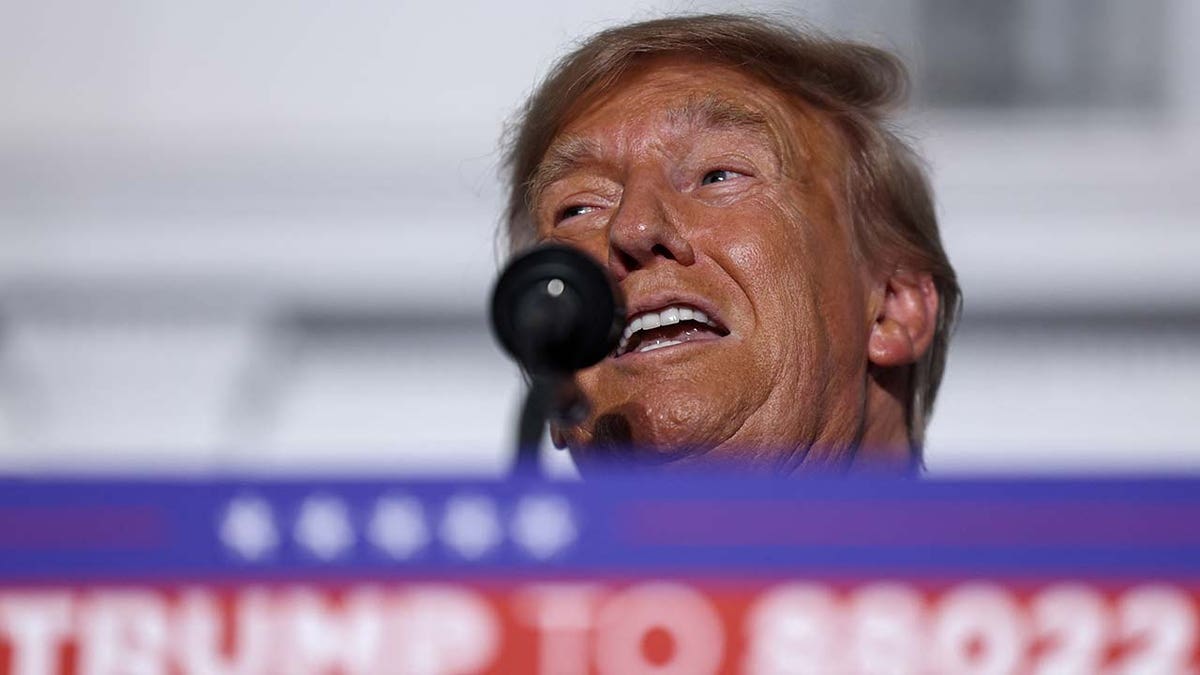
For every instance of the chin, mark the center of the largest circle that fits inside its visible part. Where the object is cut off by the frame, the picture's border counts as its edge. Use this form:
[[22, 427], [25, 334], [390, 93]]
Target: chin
[[673, 460], [627, 438]]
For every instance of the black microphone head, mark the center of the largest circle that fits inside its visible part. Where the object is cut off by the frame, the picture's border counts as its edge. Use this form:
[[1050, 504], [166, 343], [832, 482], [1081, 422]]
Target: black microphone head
[[556, 310]]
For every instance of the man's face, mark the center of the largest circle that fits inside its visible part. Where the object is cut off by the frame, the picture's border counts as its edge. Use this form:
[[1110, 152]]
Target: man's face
[[711, 196]]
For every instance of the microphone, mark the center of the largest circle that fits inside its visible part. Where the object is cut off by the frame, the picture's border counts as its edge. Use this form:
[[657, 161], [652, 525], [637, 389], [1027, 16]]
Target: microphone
[[555, 310]]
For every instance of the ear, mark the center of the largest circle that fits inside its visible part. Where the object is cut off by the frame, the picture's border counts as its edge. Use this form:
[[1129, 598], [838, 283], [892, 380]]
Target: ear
[[905, 320]]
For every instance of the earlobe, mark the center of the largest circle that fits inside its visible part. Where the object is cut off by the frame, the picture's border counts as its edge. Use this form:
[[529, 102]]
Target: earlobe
[[905, 321]]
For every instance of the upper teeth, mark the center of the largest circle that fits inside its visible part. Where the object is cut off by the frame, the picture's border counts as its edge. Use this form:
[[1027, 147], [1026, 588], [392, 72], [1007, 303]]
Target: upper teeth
[[665, 317]]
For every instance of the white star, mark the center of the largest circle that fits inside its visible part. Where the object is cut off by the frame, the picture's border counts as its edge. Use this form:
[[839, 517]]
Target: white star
[[323, 527], [248, 527], [543, 525], [398, 526], [470, 526]]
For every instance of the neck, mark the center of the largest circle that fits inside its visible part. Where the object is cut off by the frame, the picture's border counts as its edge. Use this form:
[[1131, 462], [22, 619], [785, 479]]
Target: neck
[[884, 445]]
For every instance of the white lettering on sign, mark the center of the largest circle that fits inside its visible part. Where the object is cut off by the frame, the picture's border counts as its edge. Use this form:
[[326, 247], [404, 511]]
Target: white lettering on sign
[[794, 630], [441, 629], [578, 625], [123, 632], [575, 628], [886, 624], [1071, 621], [1163, 622], [199, 636], [415, 630], [977, 632], [322, 638], [562, 615], [971, 629], [683, 614], [35, 625]]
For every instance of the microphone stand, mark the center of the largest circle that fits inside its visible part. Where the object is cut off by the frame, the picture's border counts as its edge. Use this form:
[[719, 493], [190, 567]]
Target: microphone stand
[[534, 414], [551, 396]]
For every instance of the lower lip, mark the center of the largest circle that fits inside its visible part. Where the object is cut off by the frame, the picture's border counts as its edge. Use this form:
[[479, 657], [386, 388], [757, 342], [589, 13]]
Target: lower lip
[[677, 348]]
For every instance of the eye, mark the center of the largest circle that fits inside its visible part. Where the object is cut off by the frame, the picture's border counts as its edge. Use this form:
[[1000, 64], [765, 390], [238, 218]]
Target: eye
[[572, 211], [718, 176]]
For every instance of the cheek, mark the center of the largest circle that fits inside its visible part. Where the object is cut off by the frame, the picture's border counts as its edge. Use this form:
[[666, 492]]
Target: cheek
[[770, 256], [764, 256], [802, 284], [751, 260], [589, 241]]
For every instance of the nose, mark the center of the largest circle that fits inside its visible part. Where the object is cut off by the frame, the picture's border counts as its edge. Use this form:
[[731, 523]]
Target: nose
[[645, 231]]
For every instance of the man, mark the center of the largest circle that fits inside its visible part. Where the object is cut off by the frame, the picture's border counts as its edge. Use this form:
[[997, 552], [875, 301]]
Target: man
[[789, 298]]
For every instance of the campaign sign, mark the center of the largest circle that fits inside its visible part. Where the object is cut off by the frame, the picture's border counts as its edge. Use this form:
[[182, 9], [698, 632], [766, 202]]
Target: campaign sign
[[621, 576]]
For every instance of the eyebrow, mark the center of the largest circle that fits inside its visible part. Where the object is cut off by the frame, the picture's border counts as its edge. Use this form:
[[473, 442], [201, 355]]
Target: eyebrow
[[569, 153], [714, 112], [564, 156]]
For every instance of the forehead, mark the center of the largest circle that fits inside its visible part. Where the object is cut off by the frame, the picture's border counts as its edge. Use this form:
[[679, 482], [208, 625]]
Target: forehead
[[677, 100], [676, 93], [670, 104]]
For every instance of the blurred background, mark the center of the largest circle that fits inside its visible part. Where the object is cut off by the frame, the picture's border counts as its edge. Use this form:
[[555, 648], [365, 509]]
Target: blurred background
[[259, 235]]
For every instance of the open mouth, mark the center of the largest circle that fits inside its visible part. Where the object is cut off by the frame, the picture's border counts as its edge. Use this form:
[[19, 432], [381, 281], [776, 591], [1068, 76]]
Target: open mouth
[[667, 327]]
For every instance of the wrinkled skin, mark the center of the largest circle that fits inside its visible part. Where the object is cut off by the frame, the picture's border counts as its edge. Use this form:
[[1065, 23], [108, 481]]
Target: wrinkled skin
[[741, 209]]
